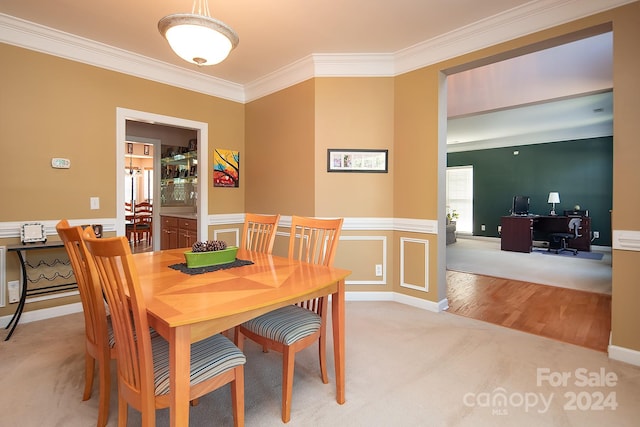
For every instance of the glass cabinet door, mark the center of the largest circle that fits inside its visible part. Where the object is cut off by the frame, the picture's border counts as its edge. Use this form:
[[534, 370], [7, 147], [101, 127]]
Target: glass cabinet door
[[178, 176]]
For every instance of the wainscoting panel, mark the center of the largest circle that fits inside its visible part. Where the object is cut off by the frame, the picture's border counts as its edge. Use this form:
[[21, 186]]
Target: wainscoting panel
[[229, 235], [414, 264], [373, 250]]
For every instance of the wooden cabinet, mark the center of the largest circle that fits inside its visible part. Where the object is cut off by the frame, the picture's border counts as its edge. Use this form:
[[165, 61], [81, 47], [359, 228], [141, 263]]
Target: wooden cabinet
[[516, 233], [178, 176], [168, 232], [178, 232], [187, 232]]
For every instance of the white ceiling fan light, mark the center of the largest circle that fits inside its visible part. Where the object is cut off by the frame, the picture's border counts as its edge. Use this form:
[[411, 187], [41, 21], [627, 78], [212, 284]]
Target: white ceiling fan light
[[197, 37]]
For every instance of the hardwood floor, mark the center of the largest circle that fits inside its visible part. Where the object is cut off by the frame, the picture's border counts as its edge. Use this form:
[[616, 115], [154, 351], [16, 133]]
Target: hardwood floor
[[576, 317]]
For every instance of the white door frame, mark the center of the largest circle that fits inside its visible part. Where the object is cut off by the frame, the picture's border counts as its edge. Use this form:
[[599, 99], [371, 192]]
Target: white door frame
[[202, 129]]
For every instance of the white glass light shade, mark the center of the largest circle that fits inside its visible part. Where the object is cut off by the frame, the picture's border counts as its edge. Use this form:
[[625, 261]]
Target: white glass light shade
[[554, 197], [198, 39]]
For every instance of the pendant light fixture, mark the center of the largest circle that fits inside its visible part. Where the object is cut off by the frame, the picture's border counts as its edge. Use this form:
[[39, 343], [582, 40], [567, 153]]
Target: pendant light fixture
[[196, 37]]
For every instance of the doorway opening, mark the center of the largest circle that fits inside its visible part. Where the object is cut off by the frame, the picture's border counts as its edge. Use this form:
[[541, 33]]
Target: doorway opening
[[201, 130], [575, 87]]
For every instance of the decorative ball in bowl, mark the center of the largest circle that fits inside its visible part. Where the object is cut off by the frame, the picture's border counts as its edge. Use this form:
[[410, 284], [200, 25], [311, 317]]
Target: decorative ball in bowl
[[210, 252]]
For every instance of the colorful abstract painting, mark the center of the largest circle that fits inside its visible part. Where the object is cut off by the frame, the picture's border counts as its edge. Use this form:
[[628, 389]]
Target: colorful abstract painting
[[226, 168]]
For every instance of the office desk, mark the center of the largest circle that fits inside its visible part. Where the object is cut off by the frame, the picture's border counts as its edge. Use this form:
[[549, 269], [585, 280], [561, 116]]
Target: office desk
[[519, 232], [186, 308]]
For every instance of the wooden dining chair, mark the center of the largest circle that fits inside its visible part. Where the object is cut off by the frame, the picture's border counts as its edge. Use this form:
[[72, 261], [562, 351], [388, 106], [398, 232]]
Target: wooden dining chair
[[259, 232], [144, 227], [143, 363], [295, 327], [99, 341]]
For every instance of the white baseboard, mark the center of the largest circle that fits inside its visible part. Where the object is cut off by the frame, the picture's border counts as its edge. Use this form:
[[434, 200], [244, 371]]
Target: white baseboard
[[622, 354], [397, 297], [42, 314]]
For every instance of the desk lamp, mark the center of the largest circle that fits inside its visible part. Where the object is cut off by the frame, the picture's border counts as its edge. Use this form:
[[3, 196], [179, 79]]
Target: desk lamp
[[554, 197]]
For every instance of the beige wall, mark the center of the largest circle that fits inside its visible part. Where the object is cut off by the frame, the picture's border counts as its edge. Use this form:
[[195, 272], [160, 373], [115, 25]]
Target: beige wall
[[353, 113], [279, 144], [625, 320], [52, 107]]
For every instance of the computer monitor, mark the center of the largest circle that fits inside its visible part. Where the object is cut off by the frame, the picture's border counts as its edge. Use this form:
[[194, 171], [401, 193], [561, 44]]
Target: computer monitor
[[520, 205]]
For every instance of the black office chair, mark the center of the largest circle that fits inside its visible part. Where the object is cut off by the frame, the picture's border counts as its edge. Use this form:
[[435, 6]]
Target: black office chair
[[558, 241]]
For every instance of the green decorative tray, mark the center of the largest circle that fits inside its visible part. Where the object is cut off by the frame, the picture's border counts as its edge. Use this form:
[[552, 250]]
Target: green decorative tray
[[205, 259]]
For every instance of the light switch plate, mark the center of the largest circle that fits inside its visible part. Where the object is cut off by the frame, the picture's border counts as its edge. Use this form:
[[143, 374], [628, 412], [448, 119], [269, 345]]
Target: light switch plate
[[59, 163], [94, 202]]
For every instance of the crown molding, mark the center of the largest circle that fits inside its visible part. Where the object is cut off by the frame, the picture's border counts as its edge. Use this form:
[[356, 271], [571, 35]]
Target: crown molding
[[321, 65], [531, 17], [520, 21], [43, 39]]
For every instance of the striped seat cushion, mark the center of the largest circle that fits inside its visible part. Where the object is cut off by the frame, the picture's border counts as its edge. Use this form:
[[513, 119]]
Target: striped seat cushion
[[209, 357], [286, 325], [110, 336]]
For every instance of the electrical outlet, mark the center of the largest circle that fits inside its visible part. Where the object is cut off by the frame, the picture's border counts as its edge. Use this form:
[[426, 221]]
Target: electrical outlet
[[14, 291], [596, 234], [483, 227], [378, 270]]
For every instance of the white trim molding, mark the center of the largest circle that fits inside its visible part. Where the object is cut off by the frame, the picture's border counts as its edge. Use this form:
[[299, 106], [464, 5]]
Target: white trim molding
[[12, 228], [383, 239], [235, 231], [526, 19], [3, 276], [403, 283], [43, 313], [435, 307], [221, 219], [626, 240], [623, 354]]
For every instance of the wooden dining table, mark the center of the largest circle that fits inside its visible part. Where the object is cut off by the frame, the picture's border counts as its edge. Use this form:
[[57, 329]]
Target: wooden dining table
[[185, 308]]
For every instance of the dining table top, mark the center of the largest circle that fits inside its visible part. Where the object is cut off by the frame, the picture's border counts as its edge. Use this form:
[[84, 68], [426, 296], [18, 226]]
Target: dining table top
[[176, 298]]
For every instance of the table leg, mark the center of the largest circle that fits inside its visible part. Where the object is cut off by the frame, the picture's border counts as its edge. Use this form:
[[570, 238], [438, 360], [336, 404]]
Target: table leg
[[180, 365], [23, 297], [338, 321]]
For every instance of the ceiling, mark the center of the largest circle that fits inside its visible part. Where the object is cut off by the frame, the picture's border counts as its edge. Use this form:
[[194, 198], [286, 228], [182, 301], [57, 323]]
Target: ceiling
[[273, 34], [276, 34]]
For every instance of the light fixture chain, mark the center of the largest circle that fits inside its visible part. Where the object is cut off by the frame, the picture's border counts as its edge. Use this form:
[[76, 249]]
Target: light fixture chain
[[203, 8]]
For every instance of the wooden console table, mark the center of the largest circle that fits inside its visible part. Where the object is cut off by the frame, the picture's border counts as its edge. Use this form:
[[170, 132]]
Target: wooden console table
[[33, 274]]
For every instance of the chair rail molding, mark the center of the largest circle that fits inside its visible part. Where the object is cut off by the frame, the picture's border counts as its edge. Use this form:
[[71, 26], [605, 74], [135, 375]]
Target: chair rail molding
[[12, 228], [626, 240]]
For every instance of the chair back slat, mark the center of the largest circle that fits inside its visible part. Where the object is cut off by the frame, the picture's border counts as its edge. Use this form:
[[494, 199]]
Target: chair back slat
[[259, 232], [112, 265], [314, 240], [143, 208], [95, 315]]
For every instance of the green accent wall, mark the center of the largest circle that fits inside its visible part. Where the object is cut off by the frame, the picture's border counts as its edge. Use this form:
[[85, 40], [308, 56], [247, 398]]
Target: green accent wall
[[580, 170]]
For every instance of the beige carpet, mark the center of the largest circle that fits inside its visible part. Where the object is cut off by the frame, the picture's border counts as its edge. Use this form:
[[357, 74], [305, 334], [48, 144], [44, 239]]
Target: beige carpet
[[483, 256], [405, 367]]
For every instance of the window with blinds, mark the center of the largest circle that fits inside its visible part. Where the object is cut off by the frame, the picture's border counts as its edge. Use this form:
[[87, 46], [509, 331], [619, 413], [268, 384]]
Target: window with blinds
[[460, 197]]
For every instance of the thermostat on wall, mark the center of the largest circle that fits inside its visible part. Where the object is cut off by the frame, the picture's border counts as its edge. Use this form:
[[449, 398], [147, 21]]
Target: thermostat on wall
[[60, 163]]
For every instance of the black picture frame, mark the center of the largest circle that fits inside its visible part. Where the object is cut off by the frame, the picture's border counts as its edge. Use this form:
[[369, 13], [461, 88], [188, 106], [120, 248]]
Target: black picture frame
[[129, 148], [146, 150], [357, 160]]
